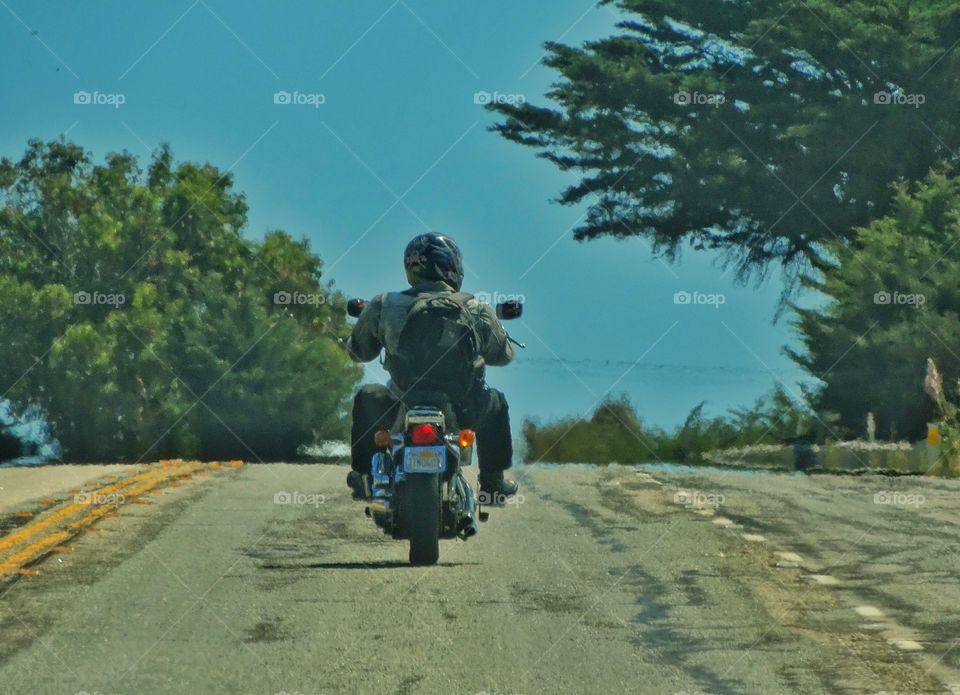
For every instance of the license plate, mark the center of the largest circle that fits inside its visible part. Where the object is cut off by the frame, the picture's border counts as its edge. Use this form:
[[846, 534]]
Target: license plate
[[428, 459]]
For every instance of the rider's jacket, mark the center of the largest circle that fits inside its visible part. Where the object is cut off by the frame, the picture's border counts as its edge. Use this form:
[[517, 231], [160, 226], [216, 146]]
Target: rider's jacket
[[381, 321]]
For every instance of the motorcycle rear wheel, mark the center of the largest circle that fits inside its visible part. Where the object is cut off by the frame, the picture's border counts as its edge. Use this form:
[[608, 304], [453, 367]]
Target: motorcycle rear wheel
[[420, 510]]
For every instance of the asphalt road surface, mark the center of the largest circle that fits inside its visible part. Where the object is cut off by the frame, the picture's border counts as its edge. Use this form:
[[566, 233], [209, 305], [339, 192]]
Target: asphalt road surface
[[269, 579]]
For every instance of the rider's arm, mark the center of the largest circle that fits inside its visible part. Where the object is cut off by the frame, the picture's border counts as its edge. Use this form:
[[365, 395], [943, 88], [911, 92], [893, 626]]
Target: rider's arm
[[497, 349], [364, 343]]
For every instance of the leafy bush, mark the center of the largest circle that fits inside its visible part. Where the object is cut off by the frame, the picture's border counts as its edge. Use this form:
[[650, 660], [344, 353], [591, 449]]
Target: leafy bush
[[615, 433], [142, 322]]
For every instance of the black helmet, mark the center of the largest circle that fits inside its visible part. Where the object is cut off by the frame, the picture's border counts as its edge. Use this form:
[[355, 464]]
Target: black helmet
[[430, 257]]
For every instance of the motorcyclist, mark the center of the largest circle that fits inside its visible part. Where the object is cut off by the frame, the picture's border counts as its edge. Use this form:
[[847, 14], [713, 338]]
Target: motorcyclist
[[433, 264]]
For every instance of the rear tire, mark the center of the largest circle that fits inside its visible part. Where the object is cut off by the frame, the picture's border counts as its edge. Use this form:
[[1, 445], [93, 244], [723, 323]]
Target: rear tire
[[420, 510]]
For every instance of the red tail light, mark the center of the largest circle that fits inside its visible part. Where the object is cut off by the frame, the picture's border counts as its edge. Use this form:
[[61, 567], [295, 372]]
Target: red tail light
[[423, 434]]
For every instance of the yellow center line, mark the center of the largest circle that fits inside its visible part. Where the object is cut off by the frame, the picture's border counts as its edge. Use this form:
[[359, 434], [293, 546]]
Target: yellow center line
[[133, 486], [69, 510], [46, 543]]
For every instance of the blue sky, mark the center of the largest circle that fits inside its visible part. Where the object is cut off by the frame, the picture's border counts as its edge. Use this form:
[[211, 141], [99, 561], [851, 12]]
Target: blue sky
[[399, 145]]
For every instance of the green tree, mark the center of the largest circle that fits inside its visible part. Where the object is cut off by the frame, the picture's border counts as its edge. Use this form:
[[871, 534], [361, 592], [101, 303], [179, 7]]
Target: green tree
[[893, 301], [753, 128], [144, 324]]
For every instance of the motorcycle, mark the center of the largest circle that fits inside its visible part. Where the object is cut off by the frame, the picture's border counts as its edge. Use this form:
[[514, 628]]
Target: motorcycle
[[417, 488]]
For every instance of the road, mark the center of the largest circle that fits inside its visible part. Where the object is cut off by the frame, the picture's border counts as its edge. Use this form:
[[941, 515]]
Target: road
[[268, 579]]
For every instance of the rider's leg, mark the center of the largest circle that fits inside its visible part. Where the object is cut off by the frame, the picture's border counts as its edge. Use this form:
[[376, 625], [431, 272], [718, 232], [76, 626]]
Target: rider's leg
[[486, 411], [374, 408]]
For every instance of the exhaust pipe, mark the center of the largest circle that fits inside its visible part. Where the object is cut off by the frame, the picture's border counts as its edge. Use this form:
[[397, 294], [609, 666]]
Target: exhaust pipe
[[467, 527]]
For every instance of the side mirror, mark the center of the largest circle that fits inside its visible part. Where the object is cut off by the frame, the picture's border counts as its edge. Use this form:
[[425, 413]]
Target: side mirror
[[507, 311], [355, 307]]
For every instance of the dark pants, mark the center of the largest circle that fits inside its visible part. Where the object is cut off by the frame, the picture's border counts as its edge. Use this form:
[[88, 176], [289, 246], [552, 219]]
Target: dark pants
[[484, 411]]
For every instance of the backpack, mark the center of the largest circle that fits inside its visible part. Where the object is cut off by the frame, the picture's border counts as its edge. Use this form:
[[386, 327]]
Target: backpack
[[438, 346]]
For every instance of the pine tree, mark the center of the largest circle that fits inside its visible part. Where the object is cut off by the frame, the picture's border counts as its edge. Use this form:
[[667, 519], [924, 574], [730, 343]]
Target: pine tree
[[893, 300], [763, 128]]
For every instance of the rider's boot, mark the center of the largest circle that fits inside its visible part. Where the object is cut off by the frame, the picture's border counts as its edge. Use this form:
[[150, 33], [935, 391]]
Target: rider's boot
[[359, 484], [494, 489]]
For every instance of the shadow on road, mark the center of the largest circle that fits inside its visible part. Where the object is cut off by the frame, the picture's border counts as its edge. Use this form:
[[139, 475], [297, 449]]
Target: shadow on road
[[380, 565]]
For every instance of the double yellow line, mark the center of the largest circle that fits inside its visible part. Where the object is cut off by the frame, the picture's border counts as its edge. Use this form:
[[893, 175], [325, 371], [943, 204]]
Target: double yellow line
[[36, 539]]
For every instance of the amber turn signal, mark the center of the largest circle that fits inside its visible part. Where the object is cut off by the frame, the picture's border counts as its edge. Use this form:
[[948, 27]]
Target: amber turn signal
[[382, 439], [467, 437]]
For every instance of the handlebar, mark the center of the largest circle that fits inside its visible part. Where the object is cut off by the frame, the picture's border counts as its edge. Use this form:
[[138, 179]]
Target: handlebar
[[506, 311]]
